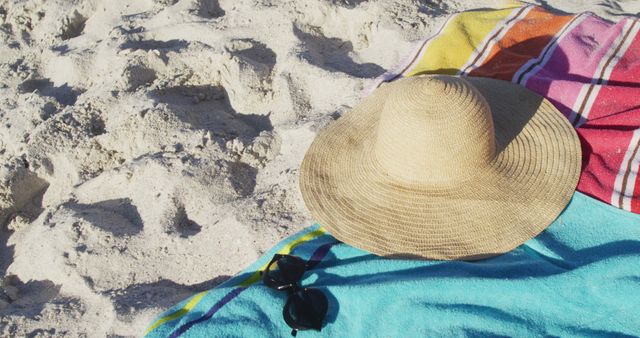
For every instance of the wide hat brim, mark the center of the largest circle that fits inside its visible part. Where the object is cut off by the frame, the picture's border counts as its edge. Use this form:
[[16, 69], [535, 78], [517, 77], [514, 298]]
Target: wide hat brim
[[521, 192]]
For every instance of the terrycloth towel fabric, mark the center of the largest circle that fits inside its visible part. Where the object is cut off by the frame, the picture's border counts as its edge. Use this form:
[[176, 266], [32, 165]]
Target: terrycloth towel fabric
[[581, 277], [587, 67]]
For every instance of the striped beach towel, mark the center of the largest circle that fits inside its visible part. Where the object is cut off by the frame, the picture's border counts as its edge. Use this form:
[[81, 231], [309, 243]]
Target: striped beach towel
[[589, 68], [579, 278]]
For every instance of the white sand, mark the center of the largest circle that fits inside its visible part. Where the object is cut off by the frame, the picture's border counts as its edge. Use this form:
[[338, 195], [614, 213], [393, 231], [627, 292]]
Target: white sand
[[150, 149]]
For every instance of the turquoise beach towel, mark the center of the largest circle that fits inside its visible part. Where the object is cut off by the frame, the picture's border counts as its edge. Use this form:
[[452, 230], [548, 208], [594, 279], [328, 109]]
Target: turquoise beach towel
[[580, 277]]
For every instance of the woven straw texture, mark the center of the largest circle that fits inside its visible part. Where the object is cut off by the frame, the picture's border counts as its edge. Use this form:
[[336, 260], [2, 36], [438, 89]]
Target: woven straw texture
[[442, 167]]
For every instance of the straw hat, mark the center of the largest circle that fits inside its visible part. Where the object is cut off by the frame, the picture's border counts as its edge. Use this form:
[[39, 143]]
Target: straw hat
[[442, 167]]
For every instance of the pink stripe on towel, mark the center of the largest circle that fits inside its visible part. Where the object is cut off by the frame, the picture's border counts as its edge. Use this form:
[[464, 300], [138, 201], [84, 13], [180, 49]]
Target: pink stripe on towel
[[574, 62]]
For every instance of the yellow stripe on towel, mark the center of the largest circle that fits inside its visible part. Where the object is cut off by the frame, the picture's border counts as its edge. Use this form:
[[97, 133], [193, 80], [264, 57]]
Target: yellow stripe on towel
[[256, 276], [451, 50], [183, 311]]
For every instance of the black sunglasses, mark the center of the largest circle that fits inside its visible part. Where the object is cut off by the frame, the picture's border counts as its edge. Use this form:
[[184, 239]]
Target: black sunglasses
[[305, 307]]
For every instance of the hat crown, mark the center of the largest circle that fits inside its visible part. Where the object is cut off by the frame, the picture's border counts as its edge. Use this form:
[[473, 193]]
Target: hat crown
[[434, 130]]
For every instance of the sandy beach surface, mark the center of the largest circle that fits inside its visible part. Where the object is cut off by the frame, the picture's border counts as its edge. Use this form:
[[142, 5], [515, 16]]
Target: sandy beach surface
[[150, 148]]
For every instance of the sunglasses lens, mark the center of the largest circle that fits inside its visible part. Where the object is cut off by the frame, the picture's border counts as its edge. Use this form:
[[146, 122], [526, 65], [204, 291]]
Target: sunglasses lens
[[306, 309], [285, 270]]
